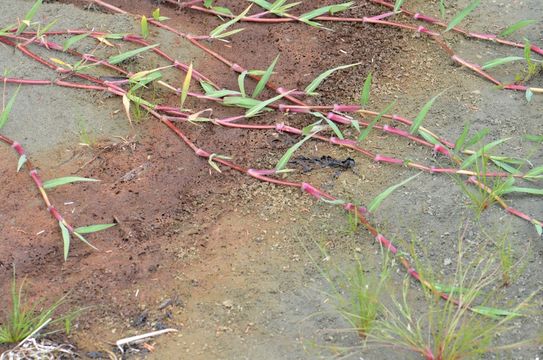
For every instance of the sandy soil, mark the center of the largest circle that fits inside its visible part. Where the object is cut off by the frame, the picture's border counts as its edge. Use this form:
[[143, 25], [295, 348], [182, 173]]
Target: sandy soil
[[228, 260]]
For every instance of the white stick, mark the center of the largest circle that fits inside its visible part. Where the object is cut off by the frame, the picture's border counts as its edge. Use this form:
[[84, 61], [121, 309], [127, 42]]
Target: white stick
[[128, 340]]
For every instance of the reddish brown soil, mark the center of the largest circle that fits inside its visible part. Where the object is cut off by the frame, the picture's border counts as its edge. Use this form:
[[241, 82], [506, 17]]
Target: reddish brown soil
[[161, 210]]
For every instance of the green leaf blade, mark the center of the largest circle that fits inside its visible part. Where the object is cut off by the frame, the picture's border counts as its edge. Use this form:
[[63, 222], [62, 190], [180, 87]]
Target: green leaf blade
[[49, 184], [463, 14], [93, 228], [375, 203]]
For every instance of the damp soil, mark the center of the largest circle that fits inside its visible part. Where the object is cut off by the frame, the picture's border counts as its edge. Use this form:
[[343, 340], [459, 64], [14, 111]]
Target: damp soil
[[232, 263]]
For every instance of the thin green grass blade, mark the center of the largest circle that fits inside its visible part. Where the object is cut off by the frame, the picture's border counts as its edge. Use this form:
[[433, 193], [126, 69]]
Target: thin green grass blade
[[93, 228], [478, 136], [483, 150], [80, 237], [219, 31], [367, 130], [241, 83], [310, 89], [65, 239], [208, 88], [223, 93], [505, 166], [73, 40], [459, 144], [398, 4], [334, 128], [534, 138], [331, 9], [523, 190], [422, 114], [462, 14], [288, 154], [49, 184], [517, 26], [242, 102], [494, 312], [116, 59], [365, 96], [7, 110], [375, 203], [28, 17], [264, 79], [259, 107], [501, 61]]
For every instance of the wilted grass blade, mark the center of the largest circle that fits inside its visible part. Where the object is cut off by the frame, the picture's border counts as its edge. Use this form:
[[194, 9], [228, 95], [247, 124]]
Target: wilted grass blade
[[422, 114], [74, 39], [7, 110], [186, 85], [213, 164], [93, 228], [21, 162], [116, 59], [319, 79], [49, 184], [65, 239], [501, 61], [28, 17], [462, 14], [483, 150], [517, 26], [365, 96], [265, 78], [259, 107], [375, 203], [367, 130]]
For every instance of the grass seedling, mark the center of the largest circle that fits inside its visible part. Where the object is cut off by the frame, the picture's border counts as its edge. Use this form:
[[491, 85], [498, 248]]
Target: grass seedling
[[447, 331], [23, 319], [357, 292]]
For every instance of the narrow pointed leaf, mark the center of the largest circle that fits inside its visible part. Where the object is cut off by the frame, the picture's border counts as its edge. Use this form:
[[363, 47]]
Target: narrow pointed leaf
[[80, 237], [186, 85], [523, 190], [7, 110], [494, 312], [65, 239], [480, 135], [398, 4], [288, 154], [49, 184], [422, 114], [265, 78], [459, 144], [241, 83], [335, 128], [501, 61], [375, 203], [259, 107], [462, 15], [538, 229], [21, 162], [483, 150], [367, 130], [517, 26], [93, 228], [73, 40], [116, 59], [365, 96], [29, 16], [332, 9], [319, 79], [242, 102], [219, 31]]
